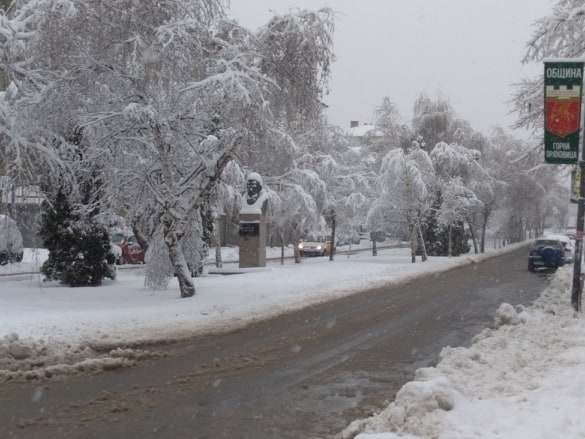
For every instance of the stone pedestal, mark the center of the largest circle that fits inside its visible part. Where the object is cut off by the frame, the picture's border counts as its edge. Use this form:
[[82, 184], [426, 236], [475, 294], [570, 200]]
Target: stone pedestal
[[252, 240]]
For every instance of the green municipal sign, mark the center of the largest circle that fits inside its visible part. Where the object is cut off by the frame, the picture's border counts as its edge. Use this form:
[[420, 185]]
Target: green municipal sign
[[563, 81]]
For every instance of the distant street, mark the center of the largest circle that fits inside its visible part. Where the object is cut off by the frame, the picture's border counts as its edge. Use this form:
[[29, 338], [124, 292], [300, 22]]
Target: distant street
[[307, 374]]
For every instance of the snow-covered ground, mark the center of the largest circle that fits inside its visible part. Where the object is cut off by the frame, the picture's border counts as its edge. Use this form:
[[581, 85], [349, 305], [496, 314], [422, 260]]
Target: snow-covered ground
[[521, 379]]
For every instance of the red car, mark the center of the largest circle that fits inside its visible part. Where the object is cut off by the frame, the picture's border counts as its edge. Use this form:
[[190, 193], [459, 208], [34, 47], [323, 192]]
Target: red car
[[132, 252]]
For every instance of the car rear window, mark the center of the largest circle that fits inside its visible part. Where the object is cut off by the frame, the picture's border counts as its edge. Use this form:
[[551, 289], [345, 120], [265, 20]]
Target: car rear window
[[547, 243]]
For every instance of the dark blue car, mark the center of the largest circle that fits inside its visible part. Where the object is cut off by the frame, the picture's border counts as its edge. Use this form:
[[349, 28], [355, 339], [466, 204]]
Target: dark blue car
[[546, 253]]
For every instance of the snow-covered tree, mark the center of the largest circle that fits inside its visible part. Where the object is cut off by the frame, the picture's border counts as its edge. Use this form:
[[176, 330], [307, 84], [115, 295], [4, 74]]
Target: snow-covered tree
[[297, 213], [533, 195], [227, 202], [146, 82], [457, 201], [404, 197], [490, 192], [390, 132], [348, 180], [522, 192], [164, 92], [78, 250], [432, 120], [457, 166], [349, 193], [295, 51]]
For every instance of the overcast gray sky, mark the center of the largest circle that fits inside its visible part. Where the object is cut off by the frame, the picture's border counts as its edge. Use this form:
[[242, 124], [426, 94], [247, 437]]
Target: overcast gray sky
[[468, 51]]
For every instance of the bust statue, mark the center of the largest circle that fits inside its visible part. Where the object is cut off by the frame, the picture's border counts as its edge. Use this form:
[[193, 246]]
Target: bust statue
[[253, 187], [256, 198]]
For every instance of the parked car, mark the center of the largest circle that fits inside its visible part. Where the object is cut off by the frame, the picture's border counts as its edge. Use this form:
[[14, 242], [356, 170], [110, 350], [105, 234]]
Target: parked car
[[132, 252], [11, 249], [571, 234], [352, 240], [547, 253], [568, 245], [319, 246]]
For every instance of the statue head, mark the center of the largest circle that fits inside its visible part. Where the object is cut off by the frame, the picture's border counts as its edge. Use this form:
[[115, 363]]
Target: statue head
[[253, 187]]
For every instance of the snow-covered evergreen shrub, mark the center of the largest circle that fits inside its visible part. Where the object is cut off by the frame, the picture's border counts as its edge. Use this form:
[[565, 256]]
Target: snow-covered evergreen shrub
[[78, 248]]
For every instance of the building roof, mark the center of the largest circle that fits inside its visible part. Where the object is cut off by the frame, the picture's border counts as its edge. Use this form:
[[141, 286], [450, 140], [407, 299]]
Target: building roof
[[361, 130]]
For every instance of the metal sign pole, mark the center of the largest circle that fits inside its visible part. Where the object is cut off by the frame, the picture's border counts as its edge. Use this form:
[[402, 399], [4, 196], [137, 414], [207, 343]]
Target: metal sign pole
[[576, 291]]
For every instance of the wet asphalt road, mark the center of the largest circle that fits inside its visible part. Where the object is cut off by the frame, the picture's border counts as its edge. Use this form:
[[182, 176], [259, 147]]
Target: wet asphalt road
[[307, 374]]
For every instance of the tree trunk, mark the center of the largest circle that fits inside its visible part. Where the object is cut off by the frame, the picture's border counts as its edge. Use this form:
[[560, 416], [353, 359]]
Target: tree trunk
[[186, 285], [473, 237], [450, 236], [374, 249], [281, 248], [217, 243], [333, 230], [413, 243], [140, 234], [482, 239], [297, 253], [423, 247]]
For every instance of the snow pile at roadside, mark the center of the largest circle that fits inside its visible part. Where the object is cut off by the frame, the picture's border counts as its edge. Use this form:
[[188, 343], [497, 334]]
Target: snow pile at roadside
[[511, 383], [44, 359]]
